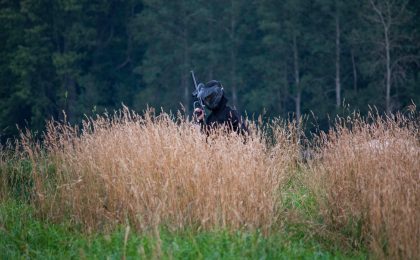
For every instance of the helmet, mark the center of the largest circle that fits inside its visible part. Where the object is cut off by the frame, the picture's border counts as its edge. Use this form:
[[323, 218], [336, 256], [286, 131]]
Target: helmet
[[211, 94], [197, 90]]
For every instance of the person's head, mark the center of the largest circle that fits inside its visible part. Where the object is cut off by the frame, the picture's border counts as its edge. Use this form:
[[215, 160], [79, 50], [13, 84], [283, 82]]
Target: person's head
[[211, 94]]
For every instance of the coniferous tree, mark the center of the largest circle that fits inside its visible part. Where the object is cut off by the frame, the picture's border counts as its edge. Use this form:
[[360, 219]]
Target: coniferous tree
[[80, 56]]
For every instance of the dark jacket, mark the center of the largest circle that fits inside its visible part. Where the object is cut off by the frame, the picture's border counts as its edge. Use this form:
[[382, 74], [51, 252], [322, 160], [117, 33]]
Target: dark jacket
[[224, 115]]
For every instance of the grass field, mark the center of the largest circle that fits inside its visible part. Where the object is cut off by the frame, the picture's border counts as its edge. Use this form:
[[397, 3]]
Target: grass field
[[23, 235], [154, 187]]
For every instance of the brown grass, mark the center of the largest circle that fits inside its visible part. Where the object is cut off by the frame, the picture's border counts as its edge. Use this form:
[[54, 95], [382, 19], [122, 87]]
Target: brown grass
[[4, 187], [155, 170], [15, 177], [148, 171], [368, 180]]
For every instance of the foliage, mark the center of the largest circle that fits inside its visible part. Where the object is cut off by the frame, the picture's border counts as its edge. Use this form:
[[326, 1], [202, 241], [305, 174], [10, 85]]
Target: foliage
[[84, 57]]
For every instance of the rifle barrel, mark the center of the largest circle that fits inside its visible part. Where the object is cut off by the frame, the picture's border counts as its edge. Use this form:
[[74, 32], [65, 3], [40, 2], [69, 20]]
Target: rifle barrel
[[193, 77]]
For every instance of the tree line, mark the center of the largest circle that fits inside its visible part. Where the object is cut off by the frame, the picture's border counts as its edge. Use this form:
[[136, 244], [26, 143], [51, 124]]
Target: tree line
[[81, 57]]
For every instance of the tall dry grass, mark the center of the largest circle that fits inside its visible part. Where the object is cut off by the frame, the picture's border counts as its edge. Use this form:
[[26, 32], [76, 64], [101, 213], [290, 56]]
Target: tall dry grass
[[158, 170], [4, 189], [15, 177], [161, 170], [368, 180]]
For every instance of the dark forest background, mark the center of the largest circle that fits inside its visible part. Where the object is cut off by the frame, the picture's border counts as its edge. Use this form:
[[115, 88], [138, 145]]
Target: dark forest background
[[275, 58]]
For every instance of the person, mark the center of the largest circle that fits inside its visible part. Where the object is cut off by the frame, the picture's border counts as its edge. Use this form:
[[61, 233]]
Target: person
[[222, 115]]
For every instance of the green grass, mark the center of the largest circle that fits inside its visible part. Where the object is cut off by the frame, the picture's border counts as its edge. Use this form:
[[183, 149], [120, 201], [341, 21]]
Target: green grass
[[23, 236]]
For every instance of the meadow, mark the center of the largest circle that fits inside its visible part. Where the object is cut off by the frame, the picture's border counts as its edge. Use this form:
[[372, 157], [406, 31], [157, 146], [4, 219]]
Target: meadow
[[126, 185]]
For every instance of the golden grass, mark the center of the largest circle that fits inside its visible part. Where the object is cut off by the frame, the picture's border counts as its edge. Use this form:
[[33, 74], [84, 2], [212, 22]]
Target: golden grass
[[155, 170], [148, 171], [368, 177]]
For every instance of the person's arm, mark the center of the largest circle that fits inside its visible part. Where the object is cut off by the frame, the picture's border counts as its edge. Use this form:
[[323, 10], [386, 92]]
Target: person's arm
[[200, 119], [236, 122], [199, 115]]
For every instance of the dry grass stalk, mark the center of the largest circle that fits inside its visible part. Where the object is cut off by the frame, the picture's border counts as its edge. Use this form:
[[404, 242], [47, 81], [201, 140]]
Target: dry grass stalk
[[153, 170], [370, 173], [14, 178], [4, 189]]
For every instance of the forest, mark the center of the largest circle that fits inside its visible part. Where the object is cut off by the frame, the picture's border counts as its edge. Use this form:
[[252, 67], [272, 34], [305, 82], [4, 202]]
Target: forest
[[99, 157], [69, 59]]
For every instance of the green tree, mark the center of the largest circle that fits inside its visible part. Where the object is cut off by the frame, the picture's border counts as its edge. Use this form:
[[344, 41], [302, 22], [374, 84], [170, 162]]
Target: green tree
[[31, 96], [169, 30], [14, 107], [291, 50]]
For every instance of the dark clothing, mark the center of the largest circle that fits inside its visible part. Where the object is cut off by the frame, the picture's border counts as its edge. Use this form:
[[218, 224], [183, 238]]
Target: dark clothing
[[223, 115]]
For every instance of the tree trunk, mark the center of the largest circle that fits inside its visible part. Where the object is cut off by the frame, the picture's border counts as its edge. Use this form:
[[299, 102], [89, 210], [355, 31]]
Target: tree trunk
[[233, 80], [184, 79], [388, 70], [385, 20], [70, 96], [297, 78], [185, 67], [212, 54], [286, 93], [353, 61], [337, 61], [185, 83], [233, 56]]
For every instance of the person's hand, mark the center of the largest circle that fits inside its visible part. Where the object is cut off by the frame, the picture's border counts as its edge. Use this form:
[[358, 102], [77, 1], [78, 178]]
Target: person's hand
[[199, 114]]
